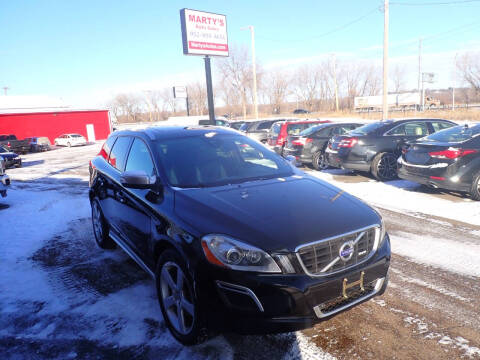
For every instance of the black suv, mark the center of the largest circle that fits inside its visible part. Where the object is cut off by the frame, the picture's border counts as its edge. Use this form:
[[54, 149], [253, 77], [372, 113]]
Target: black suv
[[233, 235], [309, 146], [375, 147]]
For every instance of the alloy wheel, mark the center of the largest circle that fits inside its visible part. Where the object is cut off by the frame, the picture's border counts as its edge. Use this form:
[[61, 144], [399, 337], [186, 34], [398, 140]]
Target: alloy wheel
[[321, 162], [387, 167], [97, 221], [177, 298]]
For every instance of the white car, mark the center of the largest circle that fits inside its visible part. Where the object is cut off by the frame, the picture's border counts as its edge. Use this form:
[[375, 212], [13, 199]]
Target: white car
[[4, 179], [70, 140]]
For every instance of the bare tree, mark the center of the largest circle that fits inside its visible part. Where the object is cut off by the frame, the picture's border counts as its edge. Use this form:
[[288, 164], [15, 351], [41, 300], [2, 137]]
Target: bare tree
[[197, 98], [469, 67], [155, 104], [306, 85], [275, 88], [169, 102], [126, 107], [235, 70], [398, 78]]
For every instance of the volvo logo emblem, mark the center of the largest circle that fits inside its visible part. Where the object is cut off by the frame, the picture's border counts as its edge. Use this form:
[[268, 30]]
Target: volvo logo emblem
[[346, 251]]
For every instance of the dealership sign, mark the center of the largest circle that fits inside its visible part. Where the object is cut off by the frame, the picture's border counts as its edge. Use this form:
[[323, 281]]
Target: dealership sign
[[180, 92], [204, 33]]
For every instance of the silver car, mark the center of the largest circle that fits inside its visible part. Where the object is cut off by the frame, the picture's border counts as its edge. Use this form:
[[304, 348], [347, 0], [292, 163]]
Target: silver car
[[4, 179]]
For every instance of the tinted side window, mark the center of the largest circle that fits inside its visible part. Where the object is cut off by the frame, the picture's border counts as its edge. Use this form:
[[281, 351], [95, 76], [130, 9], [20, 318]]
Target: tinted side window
[[416, 129], [398, 131], [440, 125], [118, 154], [265, 125], [139, 158], [107, 146]]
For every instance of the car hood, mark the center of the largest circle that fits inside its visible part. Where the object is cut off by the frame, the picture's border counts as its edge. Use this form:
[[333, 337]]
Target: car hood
[[274, 215], [8, 155]]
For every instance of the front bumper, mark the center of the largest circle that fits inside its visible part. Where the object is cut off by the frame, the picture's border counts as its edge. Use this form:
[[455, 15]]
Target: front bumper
[[253, 303], [4, 184], [13, 162]]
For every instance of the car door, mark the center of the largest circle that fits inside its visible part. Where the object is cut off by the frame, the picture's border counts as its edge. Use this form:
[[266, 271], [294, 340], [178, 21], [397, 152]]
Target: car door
[[113, 203], [404, 133], [135, 204]]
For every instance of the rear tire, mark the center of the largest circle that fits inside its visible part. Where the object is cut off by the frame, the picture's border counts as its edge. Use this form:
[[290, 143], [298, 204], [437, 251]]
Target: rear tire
[[319, 161], [100, 227], [384, 166], [475, 189], [178, 300]]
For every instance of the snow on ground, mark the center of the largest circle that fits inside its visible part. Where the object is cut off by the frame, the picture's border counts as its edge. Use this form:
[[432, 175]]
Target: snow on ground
[[400, 195], [446, 254]]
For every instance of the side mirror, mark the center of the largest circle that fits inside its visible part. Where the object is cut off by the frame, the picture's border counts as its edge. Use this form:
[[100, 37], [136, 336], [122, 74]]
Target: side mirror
[[137, 179], [291, 160]]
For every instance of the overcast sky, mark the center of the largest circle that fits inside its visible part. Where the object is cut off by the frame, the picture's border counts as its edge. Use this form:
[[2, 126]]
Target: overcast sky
[[86, 51]]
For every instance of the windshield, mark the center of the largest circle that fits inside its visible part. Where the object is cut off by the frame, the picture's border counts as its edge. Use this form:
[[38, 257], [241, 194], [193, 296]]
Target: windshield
[[312, 129], [369, 128], [275, 129], [3, 150], [218, 159], [454, 134], [236, 125]]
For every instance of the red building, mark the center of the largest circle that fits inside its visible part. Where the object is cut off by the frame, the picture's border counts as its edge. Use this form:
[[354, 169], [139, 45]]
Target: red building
[[93, 124]]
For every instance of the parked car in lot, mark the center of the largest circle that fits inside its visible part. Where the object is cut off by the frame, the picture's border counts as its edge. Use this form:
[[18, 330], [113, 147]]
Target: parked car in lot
[[214, 228], [38, 144], [277, 136], [11, 143], [236, 124], [301, 111], [258, 130], [70, 140], [4, 178], [308, 147], [10, 158], [375, 147], [448, 159]]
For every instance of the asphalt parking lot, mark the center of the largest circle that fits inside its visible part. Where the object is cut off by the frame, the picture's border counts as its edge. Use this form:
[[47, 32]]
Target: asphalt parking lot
[[62, 297]]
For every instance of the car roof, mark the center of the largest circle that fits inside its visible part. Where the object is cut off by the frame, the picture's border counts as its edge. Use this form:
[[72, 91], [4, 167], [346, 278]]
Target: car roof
[[169, 132]]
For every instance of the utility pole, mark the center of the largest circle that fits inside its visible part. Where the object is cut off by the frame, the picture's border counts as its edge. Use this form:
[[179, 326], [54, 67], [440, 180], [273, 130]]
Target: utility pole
[[454, 81], [335, 81], [5, 88], [254, 69], [419, 63], [385, 61]]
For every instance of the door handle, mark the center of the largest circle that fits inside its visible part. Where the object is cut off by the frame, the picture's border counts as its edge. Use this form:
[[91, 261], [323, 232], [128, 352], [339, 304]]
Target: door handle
[[120, 197]]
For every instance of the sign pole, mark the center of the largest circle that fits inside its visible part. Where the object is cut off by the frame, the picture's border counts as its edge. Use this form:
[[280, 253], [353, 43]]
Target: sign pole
[[208, 75]]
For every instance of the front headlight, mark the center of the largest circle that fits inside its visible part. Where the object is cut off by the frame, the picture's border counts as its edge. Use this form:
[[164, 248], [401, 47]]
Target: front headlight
[[381, 232], [224, 251]]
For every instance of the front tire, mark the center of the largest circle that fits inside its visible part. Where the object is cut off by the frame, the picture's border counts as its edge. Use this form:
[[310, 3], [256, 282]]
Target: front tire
[[384, 166], [100, 227], [475, 189], [177, 298], [319, 161]]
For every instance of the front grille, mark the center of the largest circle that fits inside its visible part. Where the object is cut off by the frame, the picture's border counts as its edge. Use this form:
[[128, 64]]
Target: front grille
[[323, 257], [340, 302]]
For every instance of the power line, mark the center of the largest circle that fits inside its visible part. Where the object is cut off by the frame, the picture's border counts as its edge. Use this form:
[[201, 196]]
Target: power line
[[339, 28], [434, 3]]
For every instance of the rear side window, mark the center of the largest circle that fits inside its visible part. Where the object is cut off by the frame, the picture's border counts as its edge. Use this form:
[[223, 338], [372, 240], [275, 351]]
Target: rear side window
[[340, 130], [107, 146], [275, 129], [265, 125], [440, 125], [410, 129], [118, 155], [139, 158]]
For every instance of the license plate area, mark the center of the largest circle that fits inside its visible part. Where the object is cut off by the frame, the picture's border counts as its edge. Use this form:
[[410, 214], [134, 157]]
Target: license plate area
[[349, 285]]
